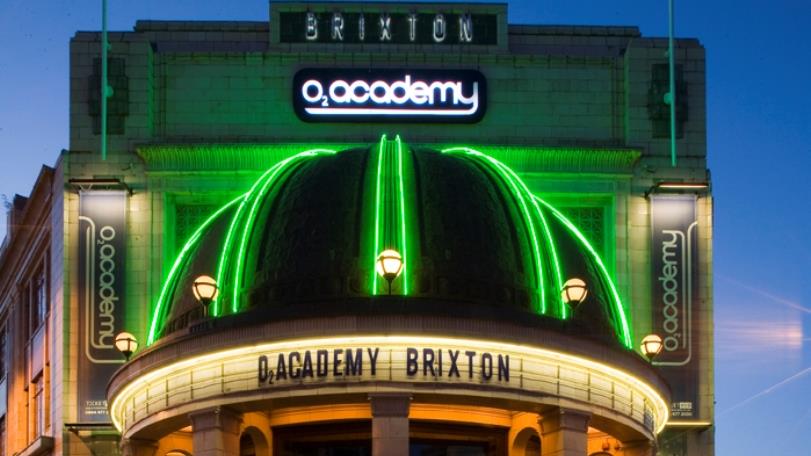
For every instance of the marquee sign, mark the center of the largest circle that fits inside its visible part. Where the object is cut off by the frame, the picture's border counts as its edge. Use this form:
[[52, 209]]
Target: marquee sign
[[675, 295], [362, 364], [346, 362], [102, 249], [389, 95]]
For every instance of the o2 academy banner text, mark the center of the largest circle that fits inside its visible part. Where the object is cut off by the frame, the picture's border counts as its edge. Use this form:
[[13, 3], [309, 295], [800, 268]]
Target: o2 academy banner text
[[675, 297], [102, 242]]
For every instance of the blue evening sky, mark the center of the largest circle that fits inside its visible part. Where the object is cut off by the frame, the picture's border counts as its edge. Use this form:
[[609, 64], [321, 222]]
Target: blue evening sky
[[759, 146]]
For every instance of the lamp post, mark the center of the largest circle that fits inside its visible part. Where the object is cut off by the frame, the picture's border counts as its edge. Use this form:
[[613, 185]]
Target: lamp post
[[126, 344], [205, 291], [389, 265], [651, 346], [574, 292]]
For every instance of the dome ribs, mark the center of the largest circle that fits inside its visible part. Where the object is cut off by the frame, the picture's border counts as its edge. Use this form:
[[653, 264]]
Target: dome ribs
[[390, 223]]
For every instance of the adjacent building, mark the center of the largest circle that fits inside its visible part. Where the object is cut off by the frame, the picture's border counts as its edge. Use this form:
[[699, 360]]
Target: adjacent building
[[366, 229]]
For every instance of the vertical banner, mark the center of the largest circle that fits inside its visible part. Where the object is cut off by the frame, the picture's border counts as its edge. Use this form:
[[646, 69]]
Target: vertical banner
[[674, 251], [101, 279]]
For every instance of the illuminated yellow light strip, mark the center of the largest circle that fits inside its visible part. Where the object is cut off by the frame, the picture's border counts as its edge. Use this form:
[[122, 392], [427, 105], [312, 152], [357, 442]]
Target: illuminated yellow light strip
[[689, 423], [649, 394]]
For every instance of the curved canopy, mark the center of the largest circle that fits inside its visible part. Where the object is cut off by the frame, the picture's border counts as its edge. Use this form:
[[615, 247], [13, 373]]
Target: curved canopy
[[473, 240]]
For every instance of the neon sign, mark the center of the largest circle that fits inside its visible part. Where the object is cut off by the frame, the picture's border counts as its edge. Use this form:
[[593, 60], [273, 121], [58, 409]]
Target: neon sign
[[326, 95]]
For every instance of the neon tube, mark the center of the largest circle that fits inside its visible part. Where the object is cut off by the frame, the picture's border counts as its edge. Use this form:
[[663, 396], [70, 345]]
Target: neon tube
[[252, 213], [376, 247], [179, 261], [620, 310], [403, 242], [493, 164]]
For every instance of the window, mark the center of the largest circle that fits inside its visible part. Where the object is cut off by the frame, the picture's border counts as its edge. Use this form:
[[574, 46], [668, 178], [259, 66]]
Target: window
[[590, 220], [3, 364], [3, 436], [38, 299], [188, 218], [39, 407]]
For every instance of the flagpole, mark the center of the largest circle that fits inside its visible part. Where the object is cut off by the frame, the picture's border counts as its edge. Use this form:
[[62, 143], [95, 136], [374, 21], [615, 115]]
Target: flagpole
[[671, 95], [104, 91]]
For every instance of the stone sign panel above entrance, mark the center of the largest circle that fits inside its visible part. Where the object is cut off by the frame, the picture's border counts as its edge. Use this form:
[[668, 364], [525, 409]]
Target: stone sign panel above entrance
[[389, 24]]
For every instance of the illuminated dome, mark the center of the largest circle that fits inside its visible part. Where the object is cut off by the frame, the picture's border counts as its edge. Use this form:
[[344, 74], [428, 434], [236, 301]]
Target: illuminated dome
[[303, 242]]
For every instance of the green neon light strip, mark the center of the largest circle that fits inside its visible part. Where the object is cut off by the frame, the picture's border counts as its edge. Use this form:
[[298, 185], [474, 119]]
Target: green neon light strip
[[403, 242], [168, 284], [497, 166], [252, 213], [225, 253], [376, 247], [550, 243], [564, 310], [620, 309]]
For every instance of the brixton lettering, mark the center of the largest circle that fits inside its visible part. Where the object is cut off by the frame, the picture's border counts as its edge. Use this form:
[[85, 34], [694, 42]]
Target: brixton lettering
[[413, 27], [479, 365], [435, 95]]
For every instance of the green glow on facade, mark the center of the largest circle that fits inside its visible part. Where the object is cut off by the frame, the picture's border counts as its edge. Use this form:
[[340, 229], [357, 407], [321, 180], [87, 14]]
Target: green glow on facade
[[168, 284], [620, 309], [376, 247], [403, 235], [258, 198], [498, 167]]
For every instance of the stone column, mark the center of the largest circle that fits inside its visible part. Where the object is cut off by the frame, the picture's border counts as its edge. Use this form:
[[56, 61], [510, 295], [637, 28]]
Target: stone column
[[215, 432], [564, 433], [389, 424], [138, 447], [638, 448]]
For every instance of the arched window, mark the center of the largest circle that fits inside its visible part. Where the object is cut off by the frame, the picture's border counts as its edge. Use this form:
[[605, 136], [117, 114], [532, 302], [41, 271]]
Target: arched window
[[246, 446], [533, 447]]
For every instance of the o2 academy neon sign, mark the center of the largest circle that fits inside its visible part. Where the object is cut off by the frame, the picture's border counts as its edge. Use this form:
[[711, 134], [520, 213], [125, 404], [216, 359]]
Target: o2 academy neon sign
[[327, 95]]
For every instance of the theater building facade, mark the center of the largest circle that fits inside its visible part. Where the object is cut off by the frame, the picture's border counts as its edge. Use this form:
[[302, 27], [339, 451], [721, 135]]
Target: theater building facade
[[367, 229]]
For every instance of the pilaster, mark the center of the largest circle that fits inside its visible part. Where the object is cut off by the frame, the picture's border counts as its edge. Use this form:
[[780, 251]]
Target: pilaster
[[564, 433], [215, 432], [390, 424]]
